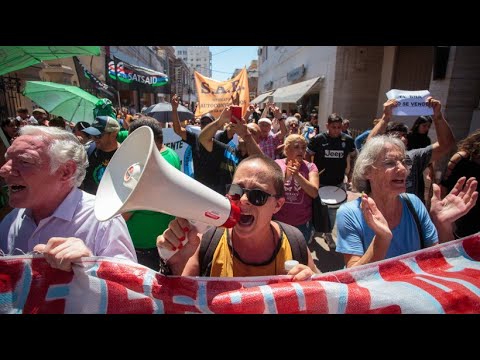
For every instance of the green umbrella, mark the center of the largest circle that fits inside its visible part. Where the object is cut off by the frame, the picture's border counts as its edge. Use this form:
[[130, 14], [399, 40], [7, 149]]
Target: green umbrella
[[19, 57], [70, 102]]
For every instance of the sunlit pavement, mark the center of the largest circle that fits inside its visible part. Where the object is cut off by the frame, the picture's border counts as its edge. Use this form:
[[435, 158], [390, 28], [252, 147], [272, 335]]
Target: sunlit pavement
[[326, 259]]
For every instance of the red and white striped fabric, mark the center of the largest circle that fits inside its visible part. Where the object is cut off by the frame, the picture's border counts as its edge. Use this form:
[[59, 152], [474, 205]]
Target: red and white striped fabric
[[442, 279]]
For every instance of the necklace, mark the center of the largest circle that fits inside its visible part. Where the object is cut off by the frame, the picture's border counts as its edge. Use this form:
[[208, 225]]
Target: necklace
[[277, 246]]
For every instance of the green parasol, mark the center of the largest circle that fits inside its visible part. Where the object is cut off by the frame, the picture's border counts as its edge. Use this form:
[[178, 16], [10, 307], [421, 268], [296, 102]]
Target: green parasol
[[70, 102], [19, 57]]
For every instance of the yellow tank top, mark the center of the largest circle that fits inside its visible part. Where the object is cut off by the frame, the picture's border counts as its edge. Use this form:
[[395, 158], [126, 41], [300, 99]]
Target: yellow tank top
[[224, 264]]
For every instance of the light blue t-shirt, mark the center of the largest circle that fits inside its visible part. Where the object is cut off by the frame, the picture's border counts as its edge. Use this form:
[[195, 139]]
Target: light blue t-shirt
[[354, 235]]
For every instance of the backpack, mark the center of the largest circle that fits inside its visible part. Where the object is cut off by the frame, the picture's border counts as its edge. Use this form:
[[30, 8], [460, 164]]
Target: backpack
[[208, 247]]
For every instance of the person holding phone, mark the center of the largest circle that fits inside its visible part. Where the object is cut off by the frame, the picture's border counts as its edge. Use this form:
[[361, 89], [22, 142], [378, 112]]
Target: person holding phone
[[219, 143]]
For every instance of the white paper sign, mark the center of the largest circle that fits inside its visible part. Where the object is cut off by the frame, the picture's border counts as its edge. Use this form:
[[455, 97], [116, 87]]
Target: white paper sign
[[410, 102]]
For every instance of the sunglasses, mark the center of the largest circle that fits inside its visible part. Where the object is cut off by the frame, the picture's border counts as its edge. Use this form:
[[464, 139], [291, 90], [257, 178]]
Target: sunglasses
[[256, 197]]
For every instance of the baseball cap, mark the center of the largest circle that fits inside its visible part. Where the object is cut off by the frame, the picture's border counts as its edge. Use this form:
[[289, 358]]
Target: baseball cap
[[40, 111], [207, 116], [102, 124], [265, 120]]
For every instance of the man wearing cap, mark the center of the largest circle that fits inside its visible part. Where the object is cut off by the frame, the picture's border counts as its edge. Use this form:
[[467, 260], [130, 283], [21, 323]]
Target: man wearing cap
[[104, 132], [269, 141], [40, 116]]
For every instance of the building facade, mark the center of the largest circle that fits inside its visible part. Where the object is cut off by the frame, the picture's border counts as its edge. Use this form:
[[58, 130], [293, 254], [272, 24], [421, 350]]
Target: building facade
[[353, 80], [198, 58]]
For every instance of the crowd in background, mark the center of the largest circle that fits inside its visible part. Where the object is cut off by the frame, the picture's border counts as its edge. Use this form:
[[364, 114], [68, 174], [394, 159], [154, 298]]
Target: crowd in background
[[272, 164]]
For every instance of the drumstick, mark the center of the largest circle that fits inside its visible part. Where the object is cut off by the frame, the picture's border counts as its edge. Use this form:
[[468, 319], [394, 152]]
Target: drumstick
[[321, 172]]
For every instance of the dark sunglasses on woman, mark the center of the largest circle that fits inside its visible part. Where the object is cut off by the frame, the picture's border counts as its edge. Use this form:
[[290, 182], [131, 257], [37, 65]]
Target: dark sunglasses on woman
[[256, 197]]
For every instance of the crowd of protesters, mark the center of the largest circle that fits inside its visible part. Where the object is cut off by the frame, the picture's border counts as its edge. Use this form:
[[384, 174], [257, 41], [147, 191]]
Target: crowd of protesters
[[270, 163]]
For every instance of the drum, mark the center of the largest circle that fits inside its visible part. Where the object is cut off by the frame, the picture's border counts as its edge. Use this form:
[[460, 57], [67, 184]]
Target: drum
[[332, 196]]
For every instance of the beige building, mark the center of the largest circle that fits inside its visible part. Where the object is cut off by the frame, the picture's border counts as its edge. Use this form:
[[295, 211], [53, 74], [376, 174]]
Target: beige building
[[353, 80]]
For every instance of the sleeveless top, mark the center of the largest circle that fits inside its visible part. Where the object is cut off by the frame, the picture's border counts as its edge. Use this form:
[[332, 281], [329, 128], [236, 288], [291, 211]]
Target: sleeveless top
[[225, 264]]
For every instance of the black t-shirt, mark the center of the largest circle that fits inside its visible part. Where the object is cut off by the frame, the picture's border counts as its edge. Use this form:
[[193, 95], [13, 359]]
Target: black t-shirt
[[331, 155], [97, 163], [206, 165], [417, 141], [470, 222]]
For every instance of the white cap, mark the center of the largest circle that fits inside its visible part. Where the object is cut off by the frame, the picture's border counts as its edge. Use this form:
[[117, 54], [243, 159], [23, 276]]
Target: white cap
[[290, 264], [265, 120]]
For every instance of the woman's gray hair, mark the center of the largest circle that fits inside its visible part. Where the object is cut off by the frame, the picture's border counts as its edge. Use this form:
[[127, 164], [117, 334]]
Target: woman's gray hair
[[369, 154], [63, 146], [290, 120]]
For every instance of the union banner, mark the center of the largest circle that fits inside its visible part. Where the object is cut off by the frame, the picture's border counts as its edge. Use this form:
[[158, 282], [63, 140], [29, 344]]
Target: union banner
[[441, 279], [214, 96]]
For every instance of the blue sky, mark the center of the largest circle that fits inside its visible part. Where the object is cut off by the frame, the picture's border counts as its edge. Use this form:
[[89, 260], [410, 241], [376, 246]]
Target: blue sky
[[225, 59]]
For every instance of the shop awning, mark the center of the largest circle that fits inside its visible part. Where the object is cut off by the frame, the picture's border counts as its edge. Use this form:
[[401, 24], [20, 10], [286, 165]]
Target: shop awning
[[262, 97], [293, 93]]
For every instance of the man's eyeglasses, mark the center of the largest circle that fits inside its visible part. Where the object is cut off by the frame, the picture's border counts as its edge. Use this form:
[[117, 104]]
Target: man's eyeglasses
[[256, 197]]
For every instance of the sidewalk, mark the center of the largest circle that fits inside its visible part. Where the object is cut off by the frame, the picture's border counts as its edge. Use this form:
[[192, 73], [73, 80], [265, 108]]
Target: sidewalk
[[326, 259]]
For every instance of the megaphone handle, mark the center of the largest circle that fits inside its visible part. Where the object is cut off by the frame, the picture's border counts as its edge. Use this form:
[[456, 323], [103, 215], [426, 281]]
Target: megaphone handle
[[201, 228]]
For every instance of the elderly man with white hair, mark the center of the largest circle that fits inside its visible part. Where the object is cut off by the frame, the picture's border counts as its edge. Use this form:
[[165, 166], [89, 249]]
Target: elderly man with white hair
[[44, 167], [270, 141]]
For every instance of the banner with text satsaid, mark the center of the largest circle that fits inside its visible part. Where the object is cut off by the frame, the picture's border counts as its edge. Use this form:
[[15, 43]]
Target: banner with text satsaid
[[214, 96]]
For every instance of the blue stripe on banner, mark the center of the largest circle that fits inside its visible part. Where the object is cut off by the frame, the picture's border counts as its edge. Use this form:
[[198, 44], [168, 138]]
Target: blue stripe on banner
[[433, 303], [302, 306], [102, 306], [236, 297], [26, 283], [342, 300], [202, 301], [183, 300], [269, 299], [57, 291], [147, 290]]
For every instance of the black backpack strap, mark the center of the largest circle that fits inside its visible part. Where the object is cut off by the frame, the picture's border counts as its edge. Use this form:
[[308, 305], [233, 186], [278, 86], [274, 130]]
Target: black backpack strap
[[208, 245], [415, 217], [297, 242]]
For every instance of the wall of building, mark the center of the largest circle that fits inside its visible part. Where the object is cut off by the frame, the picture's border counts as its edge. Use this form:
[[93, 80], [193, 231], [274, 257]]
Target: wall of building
[[460, 90], [386, 78], [275, 62], [357, 81]]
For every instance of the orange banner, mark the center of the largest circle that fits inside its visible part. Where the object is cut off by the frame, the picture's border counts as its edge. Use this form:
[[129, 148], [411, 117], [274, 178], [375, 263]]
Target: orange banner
[[214, 96]]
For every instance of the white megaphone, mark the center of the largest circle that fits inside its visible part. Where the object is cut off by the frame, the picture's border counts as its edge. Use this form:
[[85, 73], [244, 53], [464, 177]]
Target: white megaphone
[[139, 178]]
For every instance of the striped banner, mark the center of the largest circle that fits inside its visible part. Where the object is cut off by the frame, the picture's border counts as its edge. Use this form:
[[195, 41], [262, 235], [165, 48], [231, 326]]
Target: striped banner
[[442, 279]]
